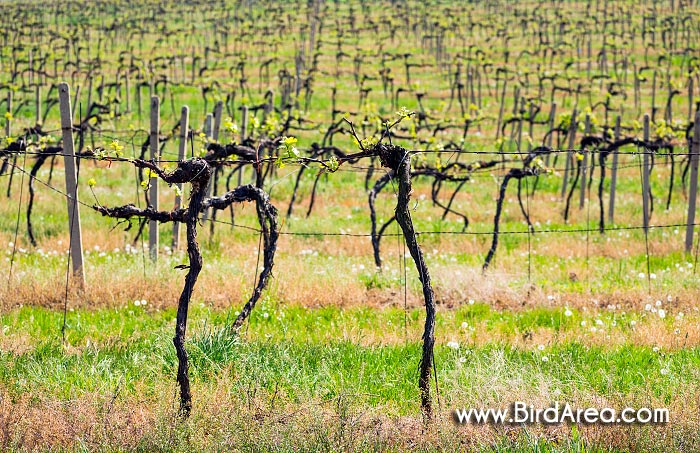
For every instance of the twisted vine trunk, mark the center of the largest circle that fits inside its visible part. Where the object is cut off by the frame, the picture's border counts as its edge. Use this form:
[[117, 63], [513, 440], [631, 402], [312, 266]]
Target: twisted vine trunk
[[398, 160], [267, 217], [376, 237], [601, 222], [198, 172], [496, 221], [32, 176], [199, 187]]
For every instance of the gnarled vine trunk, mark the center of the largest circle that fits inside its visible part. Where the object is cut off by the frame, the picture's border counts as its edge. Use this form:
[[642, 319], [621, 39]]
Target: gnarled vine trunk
[[399, 160], [198, 172]]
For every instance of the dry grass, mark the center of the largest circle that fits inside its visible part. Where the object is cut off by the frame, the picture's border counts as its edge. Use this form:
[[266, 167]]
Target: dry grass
[[260, 421]]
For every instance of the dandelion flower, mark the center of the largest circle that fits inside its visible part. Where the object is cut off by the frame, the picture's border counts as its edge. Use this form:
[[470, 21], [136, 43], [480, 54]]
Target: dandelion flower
[[453, 344]]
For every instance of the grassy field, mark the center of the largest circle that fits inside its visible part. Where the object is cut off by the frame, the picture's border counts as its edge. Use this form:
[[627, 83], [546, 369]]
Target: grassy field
[[329, 359], [340, 378]]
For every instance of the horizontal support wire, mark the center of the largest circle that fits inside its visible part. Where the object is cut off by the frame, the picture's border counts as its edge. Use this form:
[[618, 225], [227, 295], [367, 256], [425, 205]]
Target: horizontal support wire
[[459, 233]]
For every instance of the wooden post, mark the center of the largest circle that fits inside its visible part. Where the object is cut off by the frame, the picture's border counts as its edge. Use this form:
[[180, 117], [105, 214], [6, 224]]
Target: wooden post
[[208, 125], [244, 123], [653, 94], [128, 93], [38, 104], [269, 105], [531, 113], [31, 66], [8, 132], [89, 95], [138, 99], [76, 237], [693, 190], [118, 94], [76, 103], [588, 68], [567, 154], [208, 131], [613, 177], [552, 115], [218, 113], [500, 109], [8, 121], [153, 193], [690, 98], [184, 130], [645, 176], [584, 165]]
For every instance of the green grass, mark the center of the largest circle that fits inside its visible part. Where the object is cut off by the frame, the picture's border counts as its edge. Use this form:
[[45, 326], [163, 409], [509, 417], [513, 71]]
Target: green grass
[[335, 375], [287, 355], [291, 348]]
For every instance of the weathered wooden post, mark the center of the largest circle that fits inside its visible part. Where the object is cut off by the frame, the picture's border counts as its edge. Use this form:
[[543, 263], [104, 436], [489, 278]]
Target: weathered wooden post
[[690, 98], [31, 66], [531, 120], [89, 95], [693, 190], [76, 237], [8, 119], [244, 134], [153, 192], [212, 190], [613, 177], [244, 123], [208, 131], [213, 131], [127, 82], [552, 116], [500, 109], [567, 154], [208, 122], [184, 131], [584, 166], [76, 101], [37, 91], [138, 99], [269, 104], [218, 113], [645, 176]]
